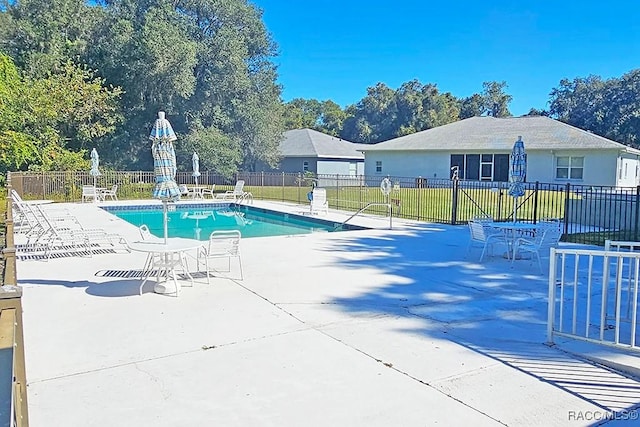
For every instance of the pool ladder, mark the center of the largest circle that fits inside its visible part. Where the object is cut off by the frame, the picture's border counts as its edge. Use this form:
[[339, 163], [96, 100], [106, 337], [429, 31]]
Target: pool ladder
[[389, 211], [247, 196]]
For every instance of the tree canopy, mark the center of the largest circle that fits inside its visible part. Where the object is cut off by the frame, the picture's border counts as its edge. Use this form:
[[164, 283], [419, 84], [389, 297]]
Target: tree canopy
[[609, 108], [206, 63], [76, 75]]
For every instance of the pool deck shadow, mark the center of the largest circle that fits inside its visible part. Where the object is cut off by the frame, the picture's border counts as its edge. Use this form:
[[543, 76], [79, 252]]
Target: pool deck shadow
[[373, 327]]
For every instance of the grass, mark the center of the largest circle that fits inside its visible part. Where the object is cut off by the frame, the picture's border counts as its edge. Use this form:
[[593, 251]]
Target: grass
[[424, 204], [598, 237]]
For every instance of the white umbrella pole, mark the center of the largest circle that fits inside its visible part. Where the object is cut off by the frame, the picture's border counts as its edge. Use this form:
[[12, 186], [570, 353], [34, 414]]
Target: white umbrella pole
[[165, 220], [515, 207]]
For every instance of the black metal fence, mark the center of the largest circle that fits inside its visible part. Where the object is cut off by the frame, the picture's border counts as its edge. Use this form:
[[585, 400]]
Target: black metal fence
[[590, 214]]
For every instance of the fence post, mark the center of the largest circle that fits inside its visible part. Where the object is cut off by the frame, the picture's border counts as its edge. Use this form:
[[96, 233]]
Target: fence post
[[9, 252], [551, 298], [11, 302], [566, 208], [262, 184], [635, 228], [454, 201], [535, 202], [283, 186], [337, 190]]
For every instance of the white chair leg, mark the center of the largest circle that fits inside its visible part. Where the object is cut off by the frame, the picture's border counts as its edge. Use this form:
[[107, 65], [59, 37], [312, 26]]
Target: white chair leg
[[240, 264]]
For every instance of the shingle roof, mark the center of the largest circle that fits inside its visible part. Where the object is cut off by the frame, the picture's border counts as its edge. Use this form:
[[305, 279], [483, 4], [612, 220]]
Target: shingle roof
[[311, 143], [538, 133]]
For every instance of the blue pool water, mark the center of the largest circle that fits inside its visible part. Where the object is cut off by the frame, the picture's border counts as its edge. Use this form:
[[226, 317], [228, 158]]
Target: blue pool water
[[198, 221]]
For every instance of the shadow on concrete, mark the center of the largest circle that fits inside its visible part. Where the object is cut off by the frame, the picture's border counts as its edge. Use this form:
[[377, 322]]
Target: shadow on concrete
[[494, 308]]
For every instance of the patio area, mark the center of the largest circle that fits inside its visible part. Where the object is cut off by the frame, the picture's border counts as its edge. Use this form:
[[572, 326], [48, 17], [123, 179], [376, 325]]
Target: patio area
[[360, 328]]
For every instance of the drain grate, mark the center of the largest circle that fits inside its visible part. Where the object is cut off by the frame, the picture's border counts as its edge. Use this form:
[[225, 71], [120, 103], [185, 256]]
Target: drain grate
[[66, 254], [136, 274]]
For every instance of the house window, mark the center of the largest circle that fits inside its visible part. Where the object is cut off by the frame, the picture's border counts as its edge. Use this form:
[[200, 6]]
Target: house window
[[353, 169], [305, 166], [378, 166], [569, 167], [484, 167]]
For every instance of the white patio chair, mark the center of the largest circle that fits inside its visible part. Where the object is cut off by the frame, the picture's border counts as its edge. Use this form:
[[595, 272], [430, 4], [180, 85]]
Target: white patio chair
[[112, 194], [319, 202], [208, 191], [539, 246], [152, 259], [237, 192], [482, 234], [223, 244], [90, 193]]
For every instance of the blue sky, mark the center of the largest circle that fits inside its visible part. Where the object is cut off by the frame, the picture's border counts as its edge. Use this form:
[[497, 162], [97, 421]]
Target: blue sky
[[335, 50]]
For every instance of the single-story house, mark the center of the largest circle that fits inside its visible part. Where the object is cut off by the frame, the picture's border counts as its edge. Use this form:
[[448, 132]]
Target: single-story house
[[478, 148], [307, 150]]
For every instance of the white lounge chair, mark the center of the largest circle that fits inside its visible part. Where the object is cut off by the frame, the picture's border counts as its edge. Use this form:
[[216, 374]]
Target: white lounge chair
[[222, 245], [66, 233], [234, 194], [319, 201]]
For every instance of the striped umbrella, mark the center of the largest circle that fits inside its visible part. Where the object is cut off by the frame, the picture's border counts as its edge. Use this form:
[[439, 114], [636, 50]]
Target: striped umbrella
[[95, 162], [164, 164], [195, 160], [517, 173]]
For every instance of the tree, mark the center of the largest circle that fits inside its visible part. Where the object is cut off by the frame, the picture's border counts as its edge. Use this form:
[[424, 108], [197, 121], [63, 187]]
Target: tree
[[303, 113], [46, 123], [42, 35], [496, 101], [473, 106], [206, 63], [384, 113], [332, 118], [17, 147], [536, 112], [216, 150], [609, 108]]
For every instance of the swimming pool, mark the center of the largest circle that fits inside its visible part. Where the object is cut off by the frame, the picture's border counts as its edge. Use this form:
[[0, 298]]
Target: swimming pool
[[197, 221]]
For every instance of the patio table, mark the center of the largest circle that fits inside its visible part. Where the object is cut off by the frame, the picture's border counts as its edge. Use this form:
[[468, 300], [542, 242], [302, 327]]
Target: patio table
[[196, 192], [165, 259], [513, 230]]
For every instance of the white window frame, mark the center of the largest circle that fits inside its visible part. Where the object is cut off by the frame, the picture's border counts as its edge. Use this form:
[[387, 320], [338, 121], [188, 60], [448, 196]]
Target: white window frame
[[570, 164], [485, 163], [378, 166], [305, 166], [353, 169]]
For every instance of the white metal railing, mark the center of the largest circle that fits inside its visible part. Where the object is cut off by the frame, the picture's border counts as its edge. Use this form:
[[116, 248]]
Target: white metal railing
[[389, 213], [593, 294]]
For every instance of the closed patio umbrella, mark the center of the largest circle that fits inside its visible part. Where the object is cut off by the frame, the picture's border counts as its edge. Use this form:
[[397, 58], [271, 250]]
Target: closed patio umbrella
[[517, 173], [196, 167], [95, 162], [164, 165]]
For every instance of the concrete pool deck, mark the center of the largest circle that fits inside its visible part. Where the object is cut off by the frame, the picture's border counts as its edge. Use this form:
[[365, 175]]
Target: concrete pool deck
[[361, 328]]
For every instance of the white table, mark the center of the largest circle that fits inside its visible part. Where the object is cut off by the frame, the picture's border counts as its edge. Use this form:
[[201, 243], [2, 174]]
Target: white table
[[513, 230], [165, 259], [196, 192]]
